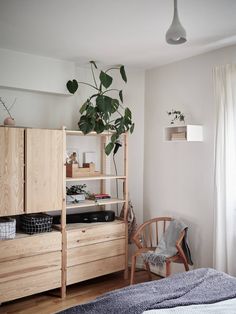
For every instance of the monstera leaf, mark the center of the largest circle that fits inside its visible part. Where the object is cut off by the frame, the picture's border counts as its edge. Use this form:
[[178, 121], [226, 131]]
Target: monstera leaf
[[102, 112], [72, 86]]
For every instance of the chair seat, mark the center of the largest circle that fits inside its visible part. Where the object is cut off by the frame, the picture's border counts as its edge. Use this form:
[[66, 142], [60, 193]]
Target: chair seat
[[176, 258]]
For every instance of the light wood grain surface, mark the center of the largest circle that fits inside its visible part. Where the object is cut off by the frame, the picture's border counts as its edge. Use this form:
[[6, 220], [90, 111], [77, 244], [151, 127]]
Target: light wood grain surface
[[44, 170], [11, 171]]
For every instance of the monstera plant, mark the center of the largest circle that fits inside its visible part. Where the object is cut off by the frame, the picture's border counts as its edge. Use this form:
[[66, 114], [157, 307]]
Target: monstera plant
[[101, 112]]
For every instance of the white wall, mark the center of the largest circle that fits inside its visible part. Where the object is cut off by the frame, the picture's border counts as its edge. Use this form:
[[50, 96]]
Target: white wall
[[178, 177], [39, 86], [31, 72]]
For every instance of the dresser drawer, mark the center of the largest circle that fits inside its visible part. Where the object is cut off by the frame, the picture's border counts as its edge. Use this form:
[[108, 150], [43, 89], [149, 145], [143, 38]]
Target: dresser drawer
[[23, 287], [97, 251], [94, 269], [95, 233], [28, 266], [25, 245]]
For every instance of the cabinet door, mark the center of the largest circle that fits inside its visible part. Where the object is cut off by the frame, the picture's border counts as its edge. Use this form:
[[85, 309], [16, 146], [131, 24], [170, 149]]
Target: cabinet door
[[11, 171], [44, 170]]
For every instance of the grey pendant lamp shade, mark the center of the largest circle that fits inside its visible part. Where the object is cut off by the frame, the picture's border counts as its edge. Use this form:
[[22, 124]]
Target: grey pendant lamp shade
[[176, 34]]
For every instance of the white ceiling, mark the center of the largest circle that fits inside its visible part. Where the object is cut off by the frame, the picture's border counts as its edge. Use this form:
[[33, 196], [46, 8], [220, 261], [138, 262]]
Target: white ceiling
[[130, 32]]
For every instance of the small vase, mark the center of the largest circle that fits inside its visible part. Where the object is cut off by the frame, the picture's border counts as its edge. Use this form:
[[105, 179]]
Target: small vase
[[9, 121]]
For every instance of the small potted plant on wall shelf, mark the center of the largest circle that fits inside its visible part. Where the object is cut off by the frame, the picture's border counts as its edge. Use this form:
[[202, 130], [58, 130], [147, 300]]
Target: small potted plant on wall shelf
[[75, 194], [101, 112], [176, 115]]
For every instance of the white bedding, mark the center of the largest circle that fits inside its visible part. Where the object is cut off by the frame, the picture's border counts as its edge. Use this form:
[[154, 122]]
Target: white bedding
[[223, 307]]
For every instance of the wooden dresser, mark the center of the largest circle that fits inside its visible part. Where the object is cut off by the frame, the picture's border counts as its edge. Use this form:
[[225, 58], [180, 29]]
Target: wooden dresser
[[95, 250]]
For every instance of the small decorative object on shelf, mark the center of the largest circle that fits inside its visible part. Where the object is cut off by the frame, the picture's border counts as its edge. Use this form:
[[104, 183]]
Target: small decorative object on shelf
[[75, 194], [74, 171], [96, 197], [8, 120], [178, 136], [7, 228], [36, 223], [176, 115]]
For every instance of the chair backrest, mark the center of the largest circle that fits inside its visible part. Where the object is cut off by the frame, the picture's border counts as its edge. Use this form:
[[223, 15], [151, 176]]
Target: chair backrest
[[149, 233]]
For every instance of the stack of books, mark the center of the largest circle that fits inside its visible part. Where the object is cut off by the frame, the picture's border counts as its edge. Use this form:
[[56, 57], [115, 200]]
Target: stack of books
[[99, 196], [178, 136]]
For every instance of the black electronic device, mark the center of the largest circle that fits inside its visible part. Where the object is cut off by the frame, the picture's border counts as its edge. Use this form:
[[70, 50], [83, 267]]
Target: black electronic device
[[89, 217]]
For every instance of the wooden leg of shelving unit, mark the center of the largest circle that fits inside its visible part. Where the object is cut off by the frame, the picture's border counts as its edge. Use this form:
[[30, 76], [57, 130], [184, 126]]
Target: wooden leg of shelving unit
[[126, 272], [63, 273], [103, 163], [125, 191], [63, 227]]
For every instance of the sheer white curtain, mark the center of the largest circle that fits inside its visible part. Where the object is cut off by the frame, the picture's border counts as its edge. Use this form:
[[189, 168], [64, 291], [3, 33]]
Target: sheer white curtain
[[225, 170]]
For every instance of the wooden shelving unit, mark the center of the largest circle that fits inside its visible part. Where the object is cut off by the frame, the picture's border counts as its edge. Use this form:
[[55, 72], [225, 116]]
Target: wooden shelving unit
[[34, 160], [109, 240]]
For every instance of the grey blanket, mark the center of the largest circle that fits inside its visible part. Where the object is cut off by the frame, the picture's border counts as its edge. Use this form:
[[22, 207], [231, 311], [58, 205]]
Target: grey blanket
[[200, 286], [167, 245]]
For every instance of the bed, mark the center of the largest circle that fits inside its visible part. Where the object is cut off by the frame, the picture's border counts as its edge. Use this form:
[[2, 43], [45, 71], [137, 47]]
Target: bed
[[203, 290]]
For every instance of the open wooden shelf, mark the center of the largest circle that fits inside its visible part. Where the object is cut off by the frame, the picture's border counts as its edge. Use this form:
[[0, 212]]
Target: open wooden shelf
[[80, 133], [90, 203], [79, 225], [98, 177]]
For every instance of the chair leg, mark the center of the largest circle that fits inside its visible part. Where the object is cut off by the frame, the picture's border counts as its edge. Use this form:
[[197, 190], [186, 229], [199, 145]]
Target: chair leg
[[167, 268], [133, 266], [148, 271], [186, 266]]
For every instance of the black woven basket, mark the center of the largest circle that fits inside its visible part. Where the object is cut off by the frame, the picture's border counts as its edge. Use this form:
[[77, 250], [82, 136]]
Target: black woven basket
[[36, 223]]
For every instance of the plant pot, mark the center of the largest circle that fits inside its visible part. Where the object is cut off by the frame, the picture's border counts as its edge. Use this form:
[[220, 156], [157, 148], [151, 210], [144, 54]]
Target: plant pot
[[74, 199], [9, 121]]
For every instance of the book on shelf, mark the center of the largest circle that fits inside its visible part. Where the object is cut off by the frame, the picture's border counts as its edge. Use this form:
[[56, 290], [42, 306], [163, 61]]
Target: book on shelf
[[178, 136]]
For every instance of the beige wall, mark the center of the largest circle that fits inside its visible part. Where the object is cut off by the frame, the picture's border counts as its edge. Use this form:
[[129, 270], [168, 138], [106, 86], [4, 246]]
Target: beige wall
[[178, 177]]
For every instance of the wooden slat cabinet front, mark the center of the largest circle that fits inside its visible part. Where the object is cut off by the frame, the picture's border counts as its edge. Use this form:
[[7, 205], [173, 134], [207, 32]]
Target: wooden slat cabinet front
[[30, 264], [86, 234], [11, 171], [44, 170], [95, 249]]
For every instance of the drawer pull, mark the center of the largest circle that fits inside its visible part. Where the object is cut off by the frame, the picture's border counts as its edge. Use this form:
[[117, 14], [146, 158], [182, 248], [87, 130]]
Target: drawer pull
[[78, 240], [83, 231]]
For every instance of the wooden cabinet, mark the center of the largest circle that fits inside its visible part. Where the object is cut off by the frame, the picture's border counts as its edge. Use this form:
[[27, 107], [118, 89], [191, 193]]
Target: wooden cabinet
[[33, 179], [11, 171], [95, 250], [44, 170], [30, 264]]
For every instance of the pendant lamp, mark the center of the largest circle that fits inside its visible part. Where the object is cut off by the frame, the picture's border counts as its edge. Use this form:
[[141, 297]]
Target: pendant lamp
[[176, 34]]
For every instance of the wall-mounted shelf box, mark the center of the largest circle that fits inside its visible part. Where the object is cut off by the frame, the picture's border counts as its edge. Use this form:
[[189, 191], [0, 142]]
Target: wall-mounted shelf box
[[187, 133]]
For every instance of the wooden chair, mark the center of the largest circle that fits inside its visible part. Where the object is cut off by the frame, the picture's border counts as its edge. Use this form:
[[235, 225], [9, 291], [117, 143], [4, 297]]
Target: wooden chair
[[146, 239]]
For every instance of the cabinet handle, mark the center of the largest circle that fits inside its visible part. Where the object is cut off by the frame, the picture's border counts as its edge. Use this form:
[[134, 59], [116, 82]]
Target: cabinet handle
[[78, 240], [83, 231]]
